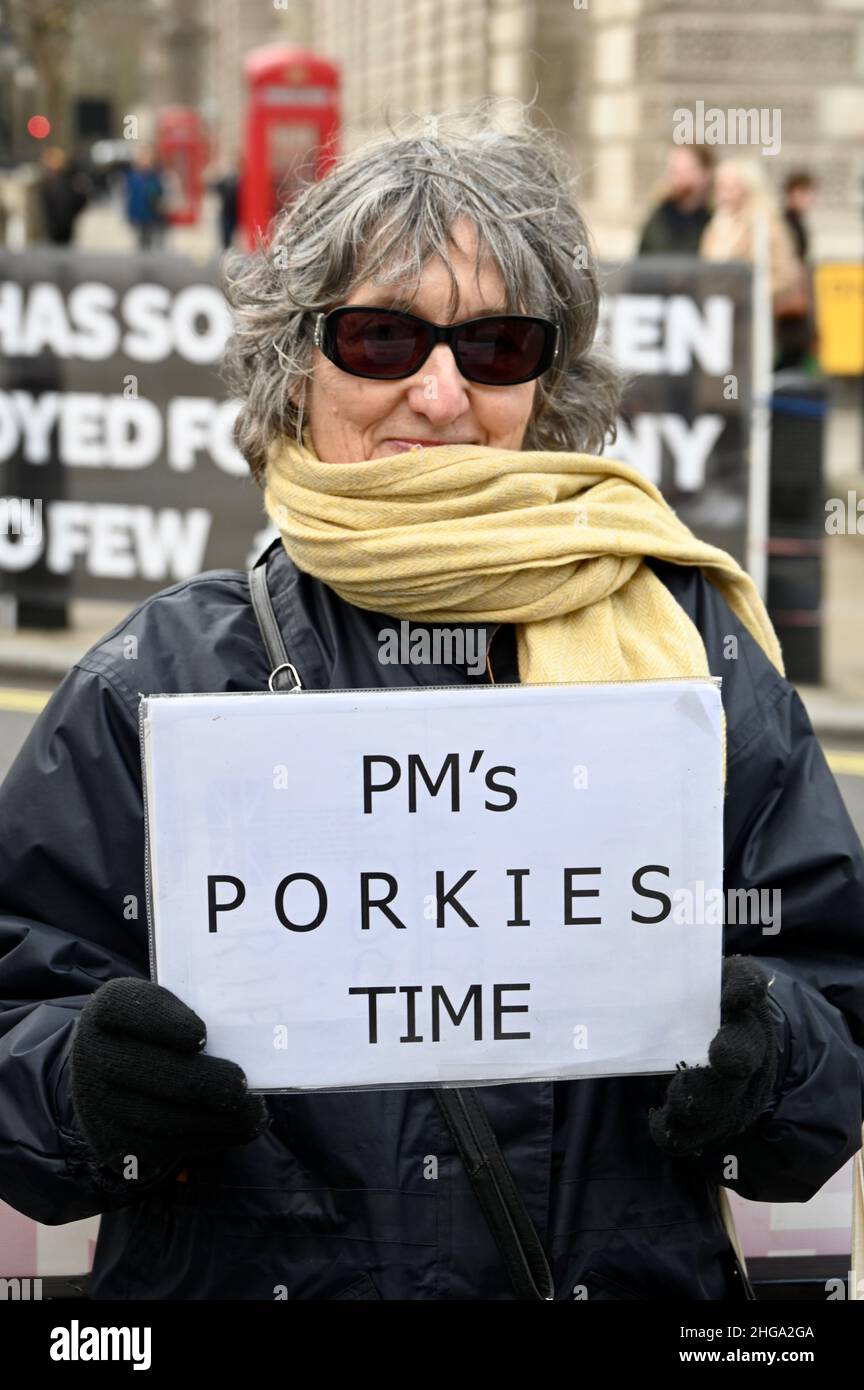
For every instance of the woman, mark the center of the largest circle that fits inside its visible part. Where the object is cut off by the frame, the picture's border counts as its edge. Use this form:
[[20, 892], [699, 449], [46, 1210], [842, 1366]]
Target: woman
[[415, 352], [744, 212]]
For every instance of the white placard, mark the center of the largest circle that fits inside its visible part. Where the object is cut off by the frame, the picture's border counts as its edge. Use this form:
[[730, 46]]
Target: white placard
[[499, 935]]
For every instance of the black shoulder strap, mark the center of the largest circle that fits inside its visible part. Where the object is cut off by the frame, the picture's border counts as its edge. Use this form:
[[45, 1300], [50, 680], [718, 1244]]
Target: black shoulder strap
[[283, 676], [496, 1191], [505, 1212]]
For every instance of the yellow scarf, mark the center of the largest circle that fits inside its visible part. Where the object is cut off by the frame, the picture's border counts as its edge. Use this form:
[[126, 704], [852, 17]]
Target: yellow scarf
[[554, 543]]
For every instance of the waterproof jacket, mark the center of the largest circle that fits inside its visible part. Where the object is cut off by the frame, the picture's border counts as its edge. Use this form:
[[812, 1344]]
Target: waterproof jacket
[[338, 1198]]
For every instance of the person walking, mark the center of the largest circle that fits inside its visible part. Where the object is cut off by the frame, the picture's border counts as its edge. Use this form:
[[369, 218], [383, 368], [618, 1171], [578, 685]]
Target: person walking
[[63, 196], [675, 226], [796, 329], [799, 194], [226, 186], [744, 208], [145, 193]]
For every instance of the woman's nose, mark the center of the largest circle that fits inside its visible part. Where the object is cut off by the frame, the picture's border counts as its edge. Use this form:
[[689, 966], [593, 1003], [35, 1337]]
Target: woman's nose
[[439, 390]]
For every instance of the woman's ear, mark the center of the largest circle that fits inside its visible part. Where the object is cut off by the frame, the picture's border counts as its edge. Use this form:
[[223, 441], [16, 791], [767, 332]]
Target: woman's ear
[[296, 396]]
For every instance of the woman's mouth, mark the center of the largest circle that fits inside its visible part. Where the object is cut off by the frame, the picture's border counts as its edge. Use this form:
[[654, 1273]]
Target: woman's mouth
[[399, 446]]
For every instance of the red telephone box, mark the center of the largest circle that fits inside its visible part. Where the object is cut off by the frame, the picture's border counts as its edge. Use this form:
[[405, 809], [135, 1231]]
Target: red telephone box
[[181, 149], [292, 130]]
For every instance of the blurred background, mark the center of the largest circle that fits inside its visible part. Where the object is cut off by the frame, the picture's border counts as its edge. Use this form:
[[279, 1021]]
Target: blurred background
[[719, 153]]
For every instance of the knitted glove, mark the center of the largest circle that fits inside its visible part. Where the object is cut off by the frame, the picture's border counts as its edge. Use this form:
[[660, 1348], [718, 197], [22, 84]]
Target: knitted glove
[[706, 1104], [141, 1085]]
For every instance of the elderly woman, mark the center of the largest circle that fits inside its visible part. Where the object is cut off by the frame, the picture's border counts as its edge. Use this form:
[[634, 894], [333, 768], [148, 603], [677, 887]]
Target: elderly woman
[[424, 409]]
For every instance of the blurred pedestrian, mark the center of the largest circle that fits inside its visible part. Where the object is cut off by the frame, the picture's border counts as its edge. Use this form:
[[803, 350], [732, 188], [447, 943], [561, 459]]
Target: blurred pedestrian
[[226, 186], [62, 195], [799, 192], [742, 200], [796, 329], [677, 223], [145, 194]]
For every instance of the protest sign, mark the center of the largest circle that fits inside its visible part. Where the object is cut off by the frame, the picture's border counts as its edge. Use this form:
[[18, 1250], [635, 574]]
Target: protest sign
[[453, 885]]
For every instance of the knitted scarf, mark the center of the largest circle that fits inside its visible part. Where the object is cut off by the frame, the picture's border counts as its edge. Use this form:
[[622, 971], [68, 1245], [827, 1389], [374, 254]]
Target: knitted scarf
[[553, 542]]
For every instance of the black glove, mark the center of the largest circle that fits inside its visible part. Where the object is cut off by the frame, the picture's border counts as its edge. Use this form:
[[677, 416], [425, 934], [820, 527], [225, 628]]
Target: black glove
[[707, 1104], [141, 1085]]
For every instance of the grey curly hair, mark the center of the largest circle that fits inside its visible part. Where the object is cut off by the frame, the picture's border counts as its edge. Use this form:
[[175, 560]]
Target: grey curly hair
[[379, 214]]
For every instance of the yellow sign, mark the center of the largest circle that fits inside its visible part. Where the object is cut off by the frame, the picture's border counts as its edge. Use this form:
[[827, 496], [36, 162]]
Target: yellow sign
[[840, 318]]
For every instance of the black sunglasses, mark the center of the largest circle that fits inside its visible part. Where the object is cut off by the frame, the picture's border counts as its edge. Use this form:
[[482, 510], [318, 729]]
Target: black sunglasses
[[387, 344]]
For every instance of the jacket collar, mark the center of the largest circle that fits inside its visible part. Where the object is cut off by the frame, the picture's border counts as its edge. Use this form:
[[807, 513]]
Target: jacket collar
[[323, 633]]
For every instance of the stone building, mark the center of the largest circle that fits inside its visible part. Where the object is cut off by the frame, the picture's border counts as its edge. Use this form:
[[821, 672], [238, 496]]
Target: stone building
[[607, 74]]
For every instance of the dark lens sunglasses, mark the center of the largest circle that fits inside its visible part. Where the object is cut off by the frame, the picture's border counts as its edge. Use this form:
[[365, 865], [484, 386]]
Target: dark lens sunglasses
[[387, 344]]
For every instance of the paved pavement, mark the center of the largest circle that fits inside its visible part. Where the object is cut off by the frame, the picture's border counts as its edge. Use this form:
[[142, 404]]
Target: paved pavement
[[102, 226]]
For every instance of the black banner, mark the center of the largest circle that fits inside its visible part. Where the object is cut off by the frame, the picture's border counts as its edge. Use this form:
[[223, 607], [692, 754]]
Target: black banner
[[681, 329], [115, 431], [118, 473]]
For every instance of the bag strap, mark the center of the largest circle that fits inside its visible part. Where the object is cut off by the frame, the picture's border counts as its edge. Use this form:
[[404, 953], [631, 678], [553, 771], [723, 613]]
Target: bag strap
[[495, 1189], [283, 675], [499, 1197]]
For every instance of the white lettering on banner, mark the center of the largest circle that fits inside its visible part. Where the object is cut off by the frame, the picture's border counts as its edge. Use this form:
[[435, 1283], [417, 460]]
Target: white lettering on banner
[[125, 542], [11, 297], [80, 439], [29, 419], [189, 419], [91, 309], [193, 322], [196, 423], [193, 306], [690, 445], [46, 324], [297, 927], [648, 333], [162, 322], [168, 539], [133, 432], [19, 554], [653, 334], [640, 443], [96, 431], [145, 309]]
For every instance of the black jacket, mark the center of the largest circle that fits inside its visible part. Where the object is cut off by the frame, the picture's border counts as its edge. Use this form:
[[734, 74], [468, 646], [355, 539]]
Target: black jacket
[[338, 1198], [671, 232]]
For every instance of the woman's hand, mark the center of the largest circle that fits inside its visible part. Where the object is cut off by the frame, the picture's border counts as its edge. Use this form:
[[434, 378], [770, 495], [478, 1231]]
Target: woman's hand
[[707, 1104], [142, 1088]]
